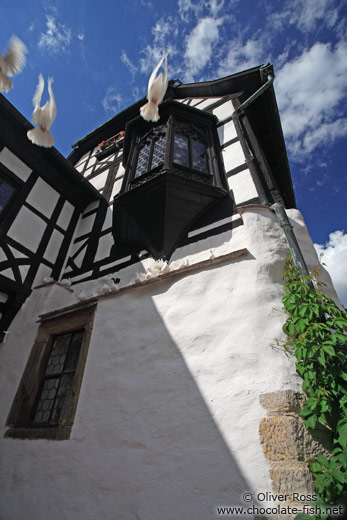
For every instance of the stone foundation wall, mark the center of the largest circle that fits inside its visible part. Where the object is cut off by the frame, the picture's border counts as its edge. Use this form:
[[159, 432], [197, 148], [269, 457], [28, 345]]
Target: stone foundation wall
[[289, 447]]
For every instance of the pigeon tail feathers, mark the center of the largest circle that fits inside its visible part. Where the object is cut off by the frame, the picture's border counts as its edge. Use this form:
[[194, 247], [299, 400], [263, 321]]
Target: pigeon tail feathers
[[41, 137], [150, 112]]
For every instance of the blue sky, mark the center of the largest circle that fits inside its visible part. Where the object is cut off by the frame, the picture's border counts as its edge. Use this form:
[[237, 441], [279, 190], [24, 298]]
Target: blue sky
[[100, 55]]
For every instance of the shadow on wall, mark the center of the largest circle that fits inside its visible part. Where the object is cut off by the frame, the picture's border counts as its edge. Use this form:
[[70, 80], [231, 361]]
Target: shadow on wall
[[144, 444], [155, 450]]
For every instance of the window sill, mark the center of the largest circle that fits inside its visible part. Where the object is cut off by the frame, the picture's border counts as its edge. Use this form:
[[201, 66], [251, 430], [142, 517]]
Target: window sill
[[58, 433]]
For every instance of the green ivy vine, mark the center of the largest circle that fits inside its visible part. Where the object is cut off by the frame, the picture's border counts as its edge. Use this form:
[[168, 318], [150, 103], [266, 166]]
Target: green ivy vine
[[317, 329]]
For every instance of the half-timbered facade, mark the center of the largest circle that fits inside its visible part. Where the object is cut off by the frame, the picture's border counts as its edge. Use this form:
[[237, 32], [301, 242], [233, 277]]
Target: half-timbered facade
[[42, 197], [141, 283]]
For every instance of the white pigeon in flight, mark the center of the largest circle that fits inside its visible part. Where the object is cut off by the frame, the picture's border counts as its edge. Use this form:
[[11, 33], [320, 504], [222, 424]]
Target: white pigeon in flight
[[43, 116], [12, 63], [156, 91]]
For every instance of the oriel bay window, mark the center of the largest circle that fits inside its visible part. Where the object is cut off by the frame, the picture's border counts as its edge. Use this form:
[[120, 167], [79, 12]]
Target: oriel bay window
[[174, 173]]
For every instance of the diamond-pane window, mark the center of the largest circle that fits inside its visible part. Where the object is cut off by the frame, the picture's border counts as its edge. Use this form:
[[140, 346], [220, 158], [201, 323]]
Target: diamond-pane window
[[142, 161], [190, 151], [198, 156], [158, 151], [58, 376], [181, 151]]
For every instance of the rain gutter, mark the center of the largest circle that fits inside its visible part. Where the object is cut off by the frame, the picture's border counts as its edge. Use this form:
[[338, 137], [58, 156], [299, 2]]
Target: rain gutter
[[267, 74], [292, 243]]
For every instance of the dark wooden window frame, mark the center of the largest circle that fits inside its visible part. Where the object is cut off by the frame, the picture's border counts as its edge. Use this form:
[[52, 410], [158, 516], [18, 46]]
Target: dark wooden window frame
[[20, 417]]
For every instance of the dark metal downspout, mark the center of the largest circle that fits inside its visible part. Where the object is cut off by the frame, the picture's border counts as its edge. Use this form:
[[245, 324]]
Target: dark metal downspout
[[265, 71], [293, 245], [295, 251]]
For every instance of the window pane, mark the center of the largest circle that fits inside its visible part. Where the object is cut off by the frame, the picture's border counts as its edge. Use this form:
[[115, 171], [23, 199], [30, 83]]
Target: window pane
[[199, 156], [142, 161], [65, 384], [58, 354], [6, 192], [74, 352], [46, 401], [58, 377], [181, 155], [158, 151]]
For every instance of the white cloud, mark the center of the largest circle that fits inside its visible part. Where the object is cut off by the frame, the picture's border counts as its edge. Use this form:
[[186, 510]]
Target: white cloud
[[57, 37], [128, 63], [242, 56], [200, 45], [215, 6], [309, 90], [186, 8], [306, 15], [112, 101], [164, 32], [335, 258]]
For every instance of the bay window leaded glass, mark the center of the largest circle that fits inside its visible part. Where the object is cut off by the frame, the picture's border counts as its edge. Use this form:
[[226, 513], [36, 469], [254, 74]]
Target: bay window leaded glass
[[190, 151], [183, 142], [151, 151]]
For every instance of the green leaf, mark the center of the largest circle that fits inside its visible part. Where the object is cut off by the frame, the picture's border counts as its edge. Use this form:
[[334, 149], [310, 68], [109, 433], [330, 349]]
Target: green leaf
[[311, 421], [342, 433], [322, 460], [312, 403], [321, 358], [339, 476], [328, 349], [315, 467], [305, 410]]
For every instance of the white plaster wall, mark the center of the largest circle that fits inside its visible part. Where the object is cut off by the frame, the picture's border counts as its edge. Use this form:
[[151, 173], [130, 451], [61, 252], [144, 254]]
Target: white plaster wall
[[243, 186], [227, 132], [233, 156], [43, 197], [27, 229], [104, 247], [85, 225], [223, 111], [53, 247], [65, 215], [99, 181], [310, 255], [168, 416], [13, 163]]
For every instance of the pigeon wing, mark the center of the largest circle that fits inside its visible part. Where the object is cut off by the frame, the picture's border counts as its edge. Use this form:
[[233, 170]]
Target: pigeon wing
[[154, 73], [14, 59], [52, 104], [37, 99], [165, 79]]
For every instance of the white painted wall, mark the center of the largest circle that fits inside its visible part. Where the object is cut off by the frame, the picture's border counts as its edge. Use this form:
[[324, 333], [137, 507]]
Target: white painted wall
[[168, 416], [16, 165]]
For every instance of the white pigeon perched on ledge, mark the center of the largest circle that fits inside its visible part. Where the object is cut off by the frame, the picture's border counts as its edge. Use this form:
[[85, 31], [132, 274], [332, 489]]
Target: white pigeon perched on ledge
[[43, 116], [12, 63], [156, 91]]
